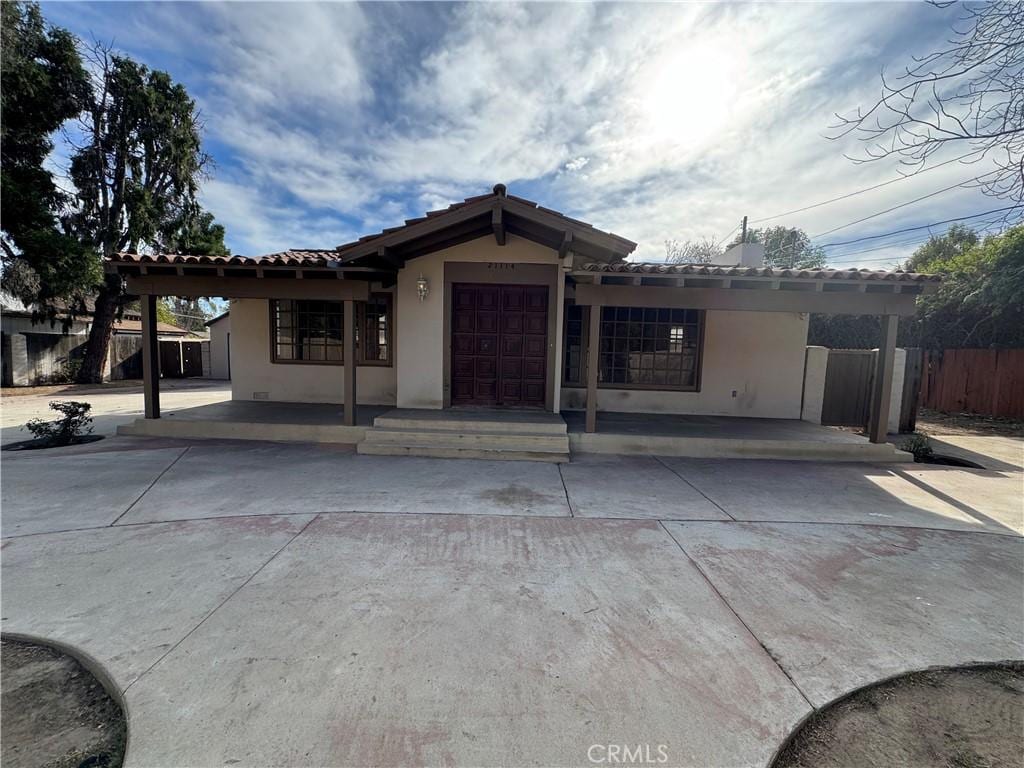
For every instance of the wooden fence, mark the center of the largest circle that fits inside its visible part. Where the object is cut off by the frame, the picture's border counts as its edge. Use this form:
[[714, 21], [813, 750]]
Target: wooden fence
[[985, 381]]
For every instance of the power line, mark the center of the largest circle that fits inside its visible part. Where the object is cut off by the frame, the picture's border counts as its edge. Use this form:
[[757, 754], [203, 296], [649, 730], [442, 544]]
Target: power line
[[901, 205], [912, 241], [922, 226], [862, 191]]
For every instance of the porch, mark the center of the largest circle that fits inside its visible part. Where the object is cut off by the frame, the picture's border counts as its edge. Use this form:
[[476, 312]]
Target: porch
[[511, 434]]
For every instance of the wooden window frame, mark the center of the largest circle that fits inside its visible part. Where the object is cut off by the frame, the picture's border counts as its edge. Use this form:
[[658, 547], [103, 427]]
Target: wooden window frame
[[585, 345], [361, 329]]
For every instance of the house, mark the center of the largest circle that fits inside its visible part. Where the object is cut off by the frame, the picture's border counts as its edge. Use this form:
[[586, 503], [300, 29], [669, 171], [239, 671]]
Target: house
[[219, 329], [498, 303]]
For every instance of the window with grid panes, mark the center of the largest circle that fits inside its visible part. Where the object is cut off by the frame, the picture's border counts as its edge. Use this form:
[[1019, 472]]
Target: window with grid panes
[[307, 331], [650, 348]]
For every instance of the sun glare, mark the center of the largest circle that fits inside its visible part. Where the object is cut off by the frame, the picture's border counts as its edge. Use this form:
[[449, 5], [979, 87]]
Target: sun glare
[[691, 94]]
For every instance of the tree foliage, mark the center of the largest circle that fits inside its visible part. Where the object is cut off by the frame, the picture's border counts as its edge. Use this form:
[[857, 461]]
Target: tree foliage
[[43, 85], [136, 170], [701, 251], [979, 304], [969, 94], [957, 240], [787, 247]]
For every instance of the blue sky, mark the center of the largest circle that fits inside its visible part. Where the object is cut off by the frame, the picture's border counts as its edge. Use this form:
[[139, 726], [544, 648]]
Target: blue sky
[[331, 120]]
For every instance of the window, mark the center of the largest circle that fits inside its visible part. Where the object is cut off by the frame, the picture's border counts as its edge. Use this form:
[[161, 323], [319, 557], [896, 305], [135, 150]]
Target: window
[[307, 331], [373, 334], [575, 371], [650, 347], [640, 347], [313, 331]]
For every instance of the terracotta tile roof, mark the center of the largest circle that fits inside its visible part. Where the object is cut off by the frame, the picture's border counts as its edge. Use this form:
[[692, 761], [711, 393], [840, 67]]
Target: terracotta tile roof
[[303, 257], [298, 257], [725, 270]]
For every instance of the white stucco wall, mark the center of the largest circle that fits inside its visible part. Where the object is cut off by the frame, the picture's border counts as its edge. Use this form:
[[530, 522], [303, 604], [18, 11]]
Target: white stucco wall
[[220, 332], [420, 326], [815, 369], [899, 372], [255, 377], [753, 366]]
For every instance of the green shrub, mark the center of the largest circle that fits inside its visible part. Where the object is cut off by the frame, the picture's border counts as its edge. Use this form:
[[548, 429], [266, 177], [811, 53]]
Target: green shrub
[[918, 445], [74, 423]]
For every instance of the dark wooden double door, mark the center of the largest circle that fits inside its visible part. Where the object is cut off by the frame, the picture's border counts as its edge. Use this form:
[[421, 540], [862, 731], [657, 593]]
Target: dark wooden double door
[[499, 344]]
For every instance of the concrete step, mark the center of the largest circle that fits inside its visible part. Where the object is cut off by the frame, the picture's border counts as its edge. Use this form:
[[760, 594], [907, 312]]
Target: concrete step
[[459, 452], [486, 440], [473, 421]]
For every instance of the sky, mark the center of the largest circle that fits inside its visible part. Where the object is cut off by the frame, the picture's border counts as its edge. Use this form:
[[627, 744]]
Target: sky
[[327, 121]]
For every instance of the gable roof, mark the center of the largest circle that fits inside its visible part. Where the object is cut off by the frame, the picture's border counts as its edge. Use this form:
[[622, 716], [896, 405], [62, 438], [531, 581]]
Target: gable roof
[[497, 213]]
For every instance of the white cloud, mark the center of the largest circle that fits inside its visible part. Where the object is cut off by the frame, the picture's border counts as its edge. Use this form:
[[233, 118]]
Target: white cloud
[[654, 121]]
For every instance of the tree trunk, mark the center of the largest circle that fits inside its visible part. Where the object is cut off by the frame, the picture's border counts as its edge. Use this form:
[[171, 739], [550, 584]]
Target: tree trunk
[[108, 302]]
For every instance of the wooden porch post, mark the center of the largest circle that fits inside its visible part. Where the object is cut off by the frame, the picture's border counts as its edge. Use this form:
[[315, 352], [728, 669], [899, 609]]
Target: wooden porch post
[[349, 322], [878, 427], [593, 346], [150, 358]]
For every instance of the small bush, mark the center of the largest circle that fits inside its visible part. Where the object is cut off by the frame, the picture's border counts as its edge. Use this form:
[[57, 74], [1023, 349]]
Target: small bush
[[68, 373], [918, 445], [74, 423]]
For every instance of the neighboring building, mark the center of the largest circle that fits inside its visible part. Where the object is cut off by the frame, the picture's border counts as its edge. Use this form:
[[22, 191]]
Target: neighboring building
[[220, 345], [497, 302], [38, 352]]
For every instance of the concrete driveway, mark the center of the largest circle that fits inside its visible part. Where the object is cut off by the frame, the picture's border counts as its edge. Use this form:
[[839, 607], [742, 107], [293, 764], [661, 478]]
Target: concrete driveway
[[301, 605]]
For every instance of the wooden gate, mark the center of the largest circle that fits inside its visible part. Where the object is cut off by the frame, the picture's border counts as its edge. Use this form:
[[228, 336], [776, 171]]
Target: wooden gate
[[847, 397], [170, 359], [191, 358]]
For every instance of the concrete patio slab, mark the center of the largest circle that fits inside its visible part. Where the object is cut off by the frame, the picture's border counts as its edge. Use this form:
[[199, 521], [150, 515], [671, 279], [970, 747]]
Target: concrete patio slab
[[834, 493], [126, 595], [638, 487], [43, 492], [990, 451], [426, 640], [842, 606], [287, 478], [977, 493]]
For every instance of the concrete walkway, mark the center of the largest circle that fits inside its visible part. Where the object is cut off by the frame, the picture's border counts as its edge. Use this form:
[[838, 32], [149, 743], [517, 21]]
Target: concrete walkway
[[301, 605]]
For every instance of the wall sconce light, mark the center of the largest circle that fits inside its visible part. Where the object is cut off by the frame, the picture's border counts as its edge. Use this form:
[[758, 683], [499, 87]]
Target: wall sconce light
[[422, 287]]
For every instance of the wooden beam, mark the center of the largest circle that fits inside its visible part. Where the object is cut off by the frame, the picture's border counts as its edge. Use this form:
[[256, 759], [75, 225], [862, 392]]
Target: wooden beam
[[150, 358], [885, 362], [248, 287], [390, 258], [498, 225], [593, 364], [349, 376], [825, 302], [563, 249]]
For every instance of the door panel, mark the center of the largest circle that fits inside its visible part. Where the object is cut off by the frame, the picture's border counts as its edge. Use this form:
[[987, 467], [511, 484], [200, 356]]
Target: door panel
[[499, 344]]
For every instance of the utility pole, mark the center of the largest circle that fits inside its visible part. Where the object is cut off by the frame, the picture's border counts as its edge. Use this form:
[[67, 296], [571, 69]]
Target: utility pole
[[743, 230]]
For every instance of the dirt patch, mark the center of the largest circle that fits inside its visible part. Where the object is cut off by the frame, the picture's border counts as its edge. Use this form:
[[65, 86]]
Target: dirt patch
[[55, 714], [960, 718], [938, 423]]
